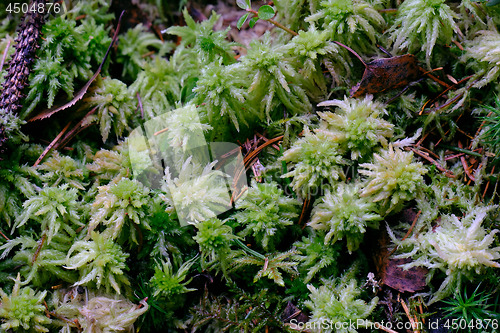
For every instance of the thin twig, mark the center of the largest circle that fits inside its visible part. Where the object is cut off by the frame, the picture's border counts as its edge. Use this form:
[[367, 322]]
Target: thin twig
[[79, 95], [354, 53], [49, 314], [293, 315], [488, 183], [249, 160], [449, 157], [428, 151], [75, 130], [221, 160], [161, 131], [243, 190], [454, 99], [266, 139], [305, 208], [412, 225], [435, 79], [413, 321], [447, 173], [458, 45], [422, 139], [281, 26], [421, 308], [145, 55], [35, 256], [462, 150], [3, 235], [407, 233], [250, 156], [277, 24], [51, 145], [464, 133], [464, 164], [388, 10], [444, 92], [257, 150], [482, 124]]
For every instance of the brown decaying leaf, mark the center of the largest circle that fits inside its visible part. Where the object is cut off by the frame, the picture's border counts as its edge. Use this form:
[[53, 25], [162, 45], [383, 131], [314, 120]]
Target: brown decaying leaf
[[410, 280], [79, 95], [385, 73], [293, 312], [389, 270]]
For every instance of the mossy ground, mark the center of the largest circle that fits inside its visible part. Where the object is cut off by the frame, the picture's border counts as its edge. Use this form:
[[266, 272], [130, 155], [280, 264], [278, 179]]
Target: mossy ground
[[379, 209]]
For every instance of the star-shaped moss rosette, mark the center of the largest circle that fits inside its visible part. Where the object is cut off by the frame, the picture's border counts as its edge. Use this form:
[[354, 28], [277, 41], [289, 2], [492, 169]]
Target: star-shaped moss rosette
[[23, 309]]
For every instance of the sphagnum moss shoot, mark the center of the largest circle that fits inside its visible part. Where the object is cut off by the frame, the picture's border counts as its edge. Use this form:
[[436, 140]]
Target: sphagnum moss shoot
[[91, 241]]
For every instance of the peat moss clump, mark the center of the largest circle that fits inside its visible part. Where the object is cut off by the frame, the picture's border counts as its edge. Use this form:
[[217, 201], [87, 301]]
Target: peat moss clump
[[120, 210]]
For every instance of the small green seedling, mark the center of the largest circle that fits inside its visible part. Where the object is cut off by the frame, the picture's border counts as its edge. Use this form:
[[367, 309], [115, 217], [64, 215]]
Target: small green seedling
[[265, 13], [470, 308]]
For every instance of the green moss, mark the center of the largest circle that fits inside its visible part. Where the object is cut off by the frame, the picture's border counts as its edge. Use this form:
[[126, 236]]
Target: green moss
[[223, 92], [11, 125], [207, 44], [266, 213], [60, 169], [100, 262], [134, 48], [458, 247], [205, 186], [103, 314], [110, 165], [316, 257], [351, 22], [42, 262], [108, 200], [120, 205], [22, 310], [423, 23], [392, 179], [483, 52], [342, 213], [158, 85], [55, 208], [275, 81], [214, 239], [115, 108], [50, 75], [167, 283], [357, 125], [17, 185], [315, 158], [339, 302], [312, 48]]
